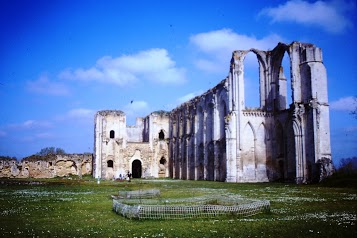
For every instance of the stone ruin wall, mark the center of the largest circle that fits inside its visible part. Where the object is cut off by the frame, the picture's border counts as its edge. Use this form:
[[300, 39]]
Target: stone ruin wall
[[198, 136], [216, 137], [49, 166], [137, 149]]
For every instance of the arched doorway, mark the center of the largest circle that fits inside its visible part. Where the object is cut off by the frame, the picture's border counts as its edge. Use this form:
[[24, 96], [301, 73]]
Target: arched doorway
[[136, 169]]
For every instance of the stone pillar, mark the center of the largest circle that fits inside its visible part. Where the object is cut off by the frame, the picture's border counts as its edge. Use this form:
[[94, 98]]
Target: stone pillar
[[282, 92], [314, 88], [204, 142]]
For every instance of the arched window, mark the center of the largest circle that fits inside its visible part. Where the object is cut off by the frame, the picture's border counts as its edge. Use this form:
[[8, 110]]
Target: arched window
[[161, 135], [163, 161], [112, 134], [251, 81], [110, 163]]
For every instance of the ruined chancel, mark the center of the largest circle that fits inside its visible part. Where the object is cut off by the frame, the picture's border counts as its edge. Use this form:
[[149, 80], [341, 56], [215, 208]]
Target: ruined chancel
[[214, 136]]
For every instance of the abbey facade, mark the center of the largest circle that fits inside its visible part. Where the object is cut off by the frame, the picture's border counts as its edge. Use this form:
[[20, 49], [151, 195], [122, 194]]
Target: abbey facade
[[216, 137]]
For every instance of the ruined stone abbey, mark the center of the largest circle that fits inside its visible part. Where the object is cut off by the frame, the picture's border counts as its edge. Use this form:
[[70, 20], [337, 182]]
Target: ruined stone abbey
[[216, 137]]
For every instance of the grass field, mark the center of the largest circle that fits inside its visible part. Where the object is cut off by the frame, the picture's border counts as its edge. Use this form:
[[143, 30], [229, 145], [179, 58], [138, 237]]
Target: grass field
[[73, 207]]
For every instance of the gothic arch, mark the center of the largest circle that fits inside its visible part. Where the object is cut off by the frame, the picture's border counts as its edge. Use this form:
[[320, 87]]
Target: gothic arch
[[261, 153], [252, 81], [290, 165], [261, 144], [261, 58], [283, 88], [299, 152], [222, 111], [248, 153]]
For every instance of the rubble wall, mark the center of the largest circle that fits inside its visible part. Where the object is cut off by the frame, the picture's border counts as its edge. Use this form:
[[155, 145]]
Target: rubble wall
[[48, 166]]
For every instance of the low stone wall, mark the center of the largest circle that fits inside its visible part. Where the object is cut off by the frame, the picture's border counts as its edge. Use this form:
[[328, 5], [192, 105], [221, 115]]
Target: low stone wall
[[48, 166]]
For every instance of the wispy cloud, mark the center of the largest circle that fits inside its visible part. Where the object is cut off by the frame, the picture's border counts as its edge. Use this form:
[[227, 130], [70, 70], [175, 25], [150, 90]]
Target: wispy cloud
[[217, 47], [82, 116], [137, 108], [30, 124], [327, 15], [154, 64], [44, 86], [344, 104], [188, 97], [38, 136], [80, 113]]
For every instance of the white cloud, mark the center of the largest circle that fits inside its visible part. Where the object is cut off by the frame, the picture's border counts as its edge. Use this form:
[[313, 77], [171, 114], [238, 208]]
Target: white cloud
[[327, 15], [80, 116], [44, 135], [217, 47], [154, 64], [140, 108], [38, 136], [80, 113], [344, 104], [30, 124], [188, 97], [136, 109], [44, 86]]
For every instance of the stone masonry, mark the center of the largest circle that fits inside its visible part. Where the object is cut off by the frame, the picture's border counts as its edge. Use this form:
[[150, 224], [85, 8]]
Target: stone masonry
[[48, 166], [216, 137]]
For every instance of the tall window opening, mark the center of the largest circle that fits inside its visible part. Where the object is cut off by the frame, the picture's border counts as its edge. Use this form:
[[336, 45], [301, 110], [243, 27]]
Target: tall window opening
[[112, 134], [287, 74], [161, 135], [251, 81], [110, 163]]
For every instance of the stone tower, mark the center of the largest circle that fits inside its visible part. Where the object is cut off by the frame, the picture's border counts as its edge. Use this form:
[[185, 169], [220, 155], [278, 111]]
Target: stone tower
[[141, 150]]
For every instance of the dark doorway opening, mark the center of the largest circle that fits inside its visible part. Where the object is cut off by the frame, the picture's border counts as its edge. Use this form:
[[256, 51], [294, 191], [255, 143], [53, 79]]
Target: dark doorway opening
[[161, 135], [112, 134], [163, 161], [110, 163], [136, 169]]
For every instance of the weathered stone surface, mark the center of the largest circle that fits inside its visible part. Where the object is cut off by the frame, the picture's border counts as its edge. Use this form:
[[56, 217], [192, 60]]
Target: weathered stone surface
[[214, 136], [122, 149], [48, 166]]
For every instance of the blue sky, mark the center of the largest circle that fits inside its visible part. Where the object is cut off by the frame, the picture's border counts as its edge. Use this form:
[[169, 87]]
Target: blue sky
[[61, 61]]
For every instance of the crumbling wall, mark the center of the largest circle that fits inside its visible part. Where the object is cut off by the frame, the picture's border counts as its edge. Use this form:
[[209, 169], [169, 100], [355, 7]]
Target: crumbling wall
[[198, 135], [48, 166], [267, 143], [141, 150]]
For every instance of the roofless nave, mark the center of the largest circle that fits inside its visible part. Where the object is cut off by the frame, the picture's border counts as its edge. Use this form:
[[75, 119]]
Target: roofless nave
[[216, 137]]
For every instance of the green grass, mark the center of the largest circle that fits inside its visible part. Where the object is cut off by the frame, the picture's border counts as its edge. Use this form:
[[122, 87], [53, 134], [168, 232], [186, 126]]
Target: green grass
[[82, 208]]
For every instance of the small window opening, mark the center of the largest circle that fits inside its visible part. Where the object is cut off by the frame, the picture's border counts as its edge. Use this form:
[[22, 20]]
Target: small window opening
[[50, 163], [161, 135], [163, 161], [112, 134], [110, 163]]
